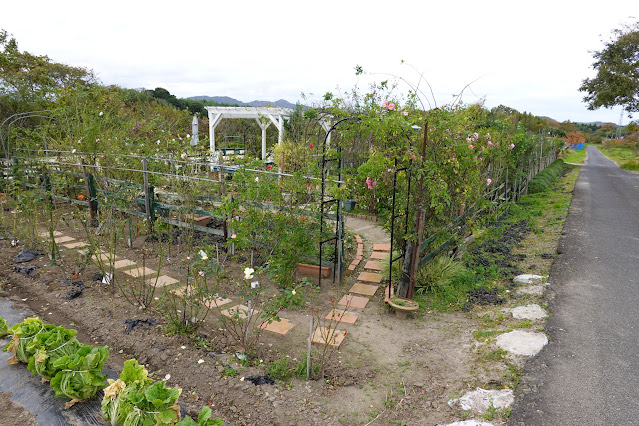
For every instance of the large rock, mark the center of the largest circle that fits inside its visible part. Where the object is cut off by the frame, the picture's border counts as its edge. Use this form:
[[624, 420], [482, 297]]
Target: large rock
[[529, 279], [481, 400], [520, 342], [532, 312]]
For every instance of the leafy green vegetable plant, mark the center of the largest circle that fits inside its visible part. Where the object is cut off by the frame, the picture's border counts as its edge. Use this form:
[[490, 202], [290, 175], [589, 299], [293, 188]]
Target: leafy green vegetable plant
[[4, 327], [203, 419], [51, 346], [80, 374], [23, 333]]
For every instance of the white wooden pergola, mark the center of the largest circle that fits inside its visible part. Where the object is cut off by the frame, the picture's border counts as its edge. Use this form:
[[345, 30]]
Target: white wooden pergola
[[274, 116]]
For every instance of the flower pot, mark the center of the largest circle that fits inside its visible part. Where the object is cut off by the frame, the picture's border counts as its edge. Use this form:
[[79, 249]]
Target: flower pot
[[403, 306], [349, 205], [313, 270]]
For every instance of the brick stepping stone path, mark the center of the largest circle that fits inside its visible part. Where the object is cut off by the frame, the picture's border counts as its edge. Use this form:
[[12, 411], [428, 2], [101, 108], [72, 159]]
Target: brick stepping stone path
[[161, 281], [373, 265], [379, 255], [337, 315], [364, 289], [322, 334], [75, 245], [282, 326], [63, 239], [370, 277], [124, 263], [351, 301], [139, 271]]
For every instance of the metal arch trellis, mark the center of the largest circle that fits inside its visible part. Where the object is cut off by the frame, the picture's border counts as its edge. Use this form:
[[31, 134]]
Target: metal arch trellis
[[393, 218], [338, 236]]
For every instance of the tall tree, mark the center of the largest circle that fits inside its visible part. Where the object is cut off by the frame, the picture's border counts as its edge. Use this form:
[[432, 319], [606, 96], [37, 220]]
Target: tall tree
[[617, 79]]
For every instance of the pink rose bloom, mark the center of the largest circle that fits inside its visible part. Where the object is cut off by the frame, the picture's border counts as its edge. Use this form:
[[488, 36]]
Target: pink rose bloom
[[471, 146], [489, 181], [391, 106], [310, 145], [476, 135], [490, 143], [384, 104], [512, 145], [374, 184], [303, 219], [369, 182], [233, 236], [269, 167], [405, 113], [469, 139], [453, 155], [201, 273]]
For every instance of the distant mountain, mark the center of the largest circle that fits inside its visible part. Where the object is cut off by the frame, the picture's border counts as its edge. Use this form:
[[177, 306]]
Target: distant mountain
[[226, 100]]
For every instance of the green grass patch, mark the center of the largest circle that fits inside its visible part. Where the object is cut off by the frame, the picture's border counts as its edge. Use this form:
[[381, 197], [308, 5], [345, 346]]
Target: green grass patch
[[630, 165], [485, 334], [572, 156], [619, 155]]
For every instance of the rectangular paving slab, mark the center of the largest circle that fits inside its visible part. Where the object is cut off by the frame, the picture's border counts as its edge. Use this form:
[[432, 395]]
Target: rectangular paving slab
[[75, 245], [333, 336], [282, 326], [139, 271], [370, 277], [381, 247], [162, 280], [124, 263], [239, 311], [338, 315], [365, 289], [379, 255], [103, 257], [63, 239], [351, 301], [46, 234], [217, 301], [373, 265]]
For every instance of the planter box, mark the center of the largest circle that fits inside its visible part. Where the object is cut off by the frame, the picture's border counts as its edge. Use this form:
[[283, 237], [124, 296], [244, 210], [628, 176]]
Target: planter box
[[313, 270]]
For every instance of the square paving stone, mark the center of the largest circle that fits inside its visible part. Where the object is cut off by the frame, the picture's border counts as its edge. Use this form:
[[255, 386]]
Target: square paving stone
[[217, 301], [351, 301], [378, 255], [75, 245], [103, 257], [337, 315], [381, 247], [124, 263], [373, 265], [179, 292], [365, 289], [370, 277], [63, 239], [161, 281], [335, 337], [139, 271], [358, 239], [241, 310], [282, 326], [46, 234]]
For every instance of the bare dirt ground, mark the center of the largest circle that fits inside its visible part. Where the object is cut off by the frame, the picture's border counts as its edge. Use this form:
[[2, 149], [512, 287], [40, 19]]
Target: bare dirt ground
[[387, 371]]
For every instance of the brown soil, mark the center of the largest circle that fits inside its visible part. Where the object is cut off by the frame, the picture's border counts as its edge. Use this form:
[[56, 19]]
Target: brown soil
[[387, 371], [13, 414]]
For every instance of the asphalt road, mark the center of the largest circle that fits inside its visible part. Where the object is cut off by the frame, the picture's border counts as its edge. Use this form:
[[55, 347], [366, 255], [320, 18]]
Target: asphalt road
[[588, 374]]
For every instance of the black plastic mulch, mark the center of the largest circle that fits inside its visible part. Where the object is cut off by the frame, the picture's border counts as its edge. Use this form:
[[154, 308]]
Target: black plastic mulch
[[139, 323]]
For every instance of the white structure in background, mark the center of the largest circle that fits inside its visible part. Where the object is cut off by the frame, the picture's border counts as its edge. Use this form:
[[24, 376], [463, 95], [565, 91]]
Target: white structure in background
[[274, 116], [194, 131]]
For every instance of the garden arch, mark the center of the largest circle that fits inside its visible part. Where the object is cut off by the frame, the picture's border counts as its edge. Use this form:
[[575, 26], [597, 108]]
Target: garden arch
[[275, 116]]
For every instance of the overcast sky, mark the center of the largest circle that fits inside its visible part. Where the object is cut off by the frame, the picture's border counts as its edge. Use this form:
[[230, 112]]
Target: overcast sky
[[531, 56]]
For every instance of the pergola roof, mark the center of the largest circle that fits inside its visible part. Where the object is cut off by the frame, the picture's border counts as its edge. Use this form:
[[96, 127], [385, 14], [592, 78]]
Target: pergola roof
[[249, 112], [275, 115]]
